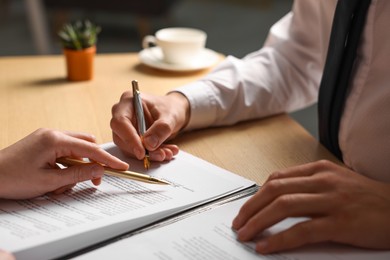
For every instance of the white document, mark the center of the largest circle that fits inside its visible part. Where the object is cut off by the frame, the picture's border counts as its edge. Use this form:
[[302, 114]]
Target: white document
[[53, 226], [208, 235]]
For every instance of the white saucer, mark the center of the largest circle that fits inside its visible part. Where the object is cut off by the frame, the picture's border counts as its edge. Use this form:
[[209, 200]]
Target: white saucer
[[153, 58]]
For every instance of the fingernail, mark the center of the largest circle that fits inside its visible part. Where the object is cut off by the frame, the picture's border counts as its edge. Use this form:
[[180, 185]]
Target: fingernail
[[236, 222], [96, 171], [151, 141], [242, 234], [157, 157], [138, 153], [262, 246]]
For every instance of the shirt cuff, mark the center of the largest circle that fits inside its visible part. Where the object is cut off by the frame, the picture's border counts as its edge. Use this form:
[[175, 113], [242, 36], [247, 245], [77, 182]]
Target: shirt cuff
[[202, 104]]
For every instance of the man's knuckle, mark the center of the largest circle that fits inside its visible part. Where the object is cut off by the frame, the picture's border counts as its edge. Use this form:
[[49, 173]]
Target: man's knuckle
[[164, 126], [118, 120], [272, 187], [114, 108], [324, 164], [284, 202], [126, 95], [275, 175], [114, 123]]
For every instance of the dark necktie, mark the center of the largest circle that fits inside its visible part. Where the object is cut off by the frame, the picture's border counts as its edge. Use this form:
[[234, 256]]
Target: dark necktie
[[348, 23]]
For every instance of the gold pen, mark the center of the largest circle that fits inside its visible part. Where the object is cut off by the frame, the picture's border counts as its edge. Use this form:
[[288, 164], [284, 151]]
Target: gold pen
[[109, 171], [139, 113]]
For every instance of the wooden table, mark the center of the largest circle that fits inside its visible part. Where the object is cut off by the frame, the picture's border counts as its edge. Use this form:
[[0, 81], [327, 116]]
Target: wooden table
[[34, 93]]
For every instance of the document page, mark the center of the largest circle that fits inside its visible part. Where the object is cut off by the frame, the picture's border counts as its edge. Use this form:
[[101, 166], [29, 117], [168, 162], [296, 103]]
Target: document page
[[55, 225], [209, 235]]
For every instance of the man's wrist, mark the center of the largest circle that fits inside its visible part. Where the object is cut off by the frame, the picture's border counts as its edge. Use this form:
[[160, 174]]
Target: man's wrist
[[184, 111]]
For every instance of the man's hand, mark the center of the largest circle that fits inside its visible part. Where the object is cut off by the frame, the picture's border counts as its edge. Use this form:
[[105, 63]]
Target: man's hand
[[164, 115], [343, 206]]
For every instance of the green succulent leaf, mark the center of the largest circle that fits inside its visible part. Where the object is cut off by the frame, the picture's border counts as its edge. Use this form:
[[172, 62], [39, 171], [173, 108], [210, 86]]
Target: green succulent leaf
[[79, 35]]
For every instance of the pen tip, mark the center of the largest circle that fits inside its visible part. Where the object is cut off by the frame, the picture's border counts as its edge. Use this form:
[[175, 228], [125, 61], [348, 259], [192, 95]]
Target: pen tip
[[163, 182], [146, 163]]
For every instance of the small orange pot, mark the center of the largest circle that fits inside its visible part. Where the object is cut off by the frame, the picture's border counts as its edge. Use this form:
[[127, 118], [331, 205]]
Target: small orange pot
[[79, 63]]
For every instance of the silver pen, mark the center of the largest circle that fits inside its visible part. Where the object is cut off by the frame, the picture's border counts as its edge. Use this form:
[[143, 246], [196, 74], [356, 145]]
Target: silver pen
[[139, 113]]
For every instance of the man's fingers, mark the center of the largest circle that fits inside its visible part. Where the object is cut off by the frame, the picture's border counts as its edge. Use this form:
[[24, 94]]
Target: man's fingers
[[164, 153], [272, 190], [174, 148], [291, 205], [307, 169], [123, 128], [158, 133], [307, 232], [126, 136], [137, 151]]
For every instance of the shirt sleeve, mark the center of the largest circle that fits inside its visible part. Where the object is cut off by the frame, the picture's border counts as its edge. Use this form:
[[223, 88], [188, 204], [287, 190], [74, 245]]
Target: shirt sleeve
[[282, 76]]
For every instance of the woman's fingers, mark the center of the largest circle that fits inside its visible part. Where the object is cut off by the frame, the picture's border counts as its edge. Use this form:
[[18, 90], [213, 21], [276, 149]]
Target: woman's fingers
[[84, 136], [74, 147], [60, 180]]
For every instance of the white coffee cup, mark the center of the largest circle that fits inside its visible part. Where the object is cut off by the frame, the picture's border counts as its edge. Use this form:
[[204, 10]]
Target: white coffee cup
[[178, 45]]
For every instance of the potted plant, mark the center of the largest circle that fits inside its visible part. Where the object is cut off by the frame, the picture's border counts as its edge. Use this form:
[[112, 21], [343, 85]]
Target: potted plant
[[79, 43]]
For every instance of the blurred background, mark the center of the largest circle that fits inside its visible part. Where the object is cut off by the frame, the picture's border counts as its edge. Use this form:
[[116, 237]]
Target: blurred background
[[234, 27]]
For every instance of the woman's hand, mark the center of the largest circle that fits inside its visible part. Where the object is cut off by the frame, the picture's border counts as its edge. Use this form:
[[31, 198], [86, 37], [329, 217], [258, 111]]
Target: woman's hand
[[6, 256], [28, 167], [343, 206], [164, 115]]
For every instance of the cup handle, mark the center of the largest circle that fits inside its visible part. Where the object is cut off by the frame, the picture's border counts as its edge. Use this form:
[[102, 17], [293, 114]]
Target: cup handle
[[148, 41]]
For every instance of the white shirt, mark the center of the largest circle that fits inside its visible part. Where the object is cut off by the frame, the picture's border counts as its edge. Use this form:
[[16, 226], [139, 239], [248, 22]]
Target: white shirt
[[285, 74]]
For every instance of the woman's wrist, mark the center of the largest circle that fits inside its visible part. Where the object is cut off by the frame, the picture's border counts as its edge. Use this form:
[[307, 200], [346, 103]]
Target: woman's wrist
[[3, 170]]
